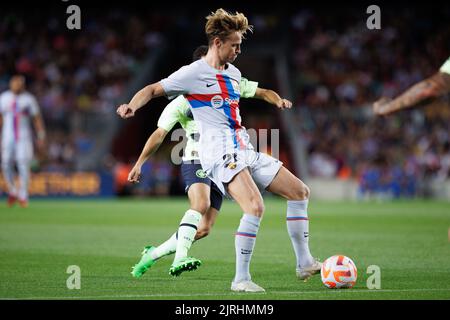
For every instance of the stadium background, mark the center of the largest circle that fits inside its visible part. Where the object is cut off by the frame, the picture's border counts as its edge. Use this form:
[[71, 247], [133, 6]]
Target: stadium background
[[321, 56]]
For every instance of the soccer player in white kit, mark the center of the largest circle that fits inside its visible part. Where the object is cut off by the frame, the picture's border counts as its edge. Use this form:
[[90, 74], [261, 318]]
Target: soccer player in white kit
[[436, 85], [211, 85], [18, 108], [203, 194]]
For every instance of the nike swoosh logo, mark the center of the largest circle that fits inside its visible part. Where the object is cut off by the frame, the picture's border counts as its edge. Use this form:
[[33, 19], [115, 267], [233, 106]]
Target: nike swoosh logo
[[210, 85]]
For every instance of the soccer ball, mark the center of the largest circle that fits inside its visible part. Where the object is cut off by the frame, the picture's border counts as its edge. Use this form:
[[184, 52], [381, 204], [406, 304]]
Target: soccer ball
[[338, 272]]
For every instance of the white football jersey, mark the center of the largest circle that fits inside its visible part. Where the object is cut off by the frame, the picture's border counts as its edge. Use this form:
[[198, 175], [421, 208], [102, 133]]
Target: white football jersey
[[213, 96], [16, 111]]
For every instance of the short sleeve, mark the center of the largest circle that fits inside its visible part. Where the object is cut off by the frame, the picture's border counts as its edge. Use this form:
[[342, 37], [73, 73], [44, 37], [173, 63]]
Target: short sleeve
[[445, 67], [178, 82], [248, 88], [171, 115]]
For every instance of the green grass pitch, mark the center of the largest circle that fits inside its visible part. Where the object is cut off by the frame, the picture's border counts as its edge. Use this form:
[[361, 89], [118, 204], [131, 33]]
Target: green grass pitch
[[408, 240]]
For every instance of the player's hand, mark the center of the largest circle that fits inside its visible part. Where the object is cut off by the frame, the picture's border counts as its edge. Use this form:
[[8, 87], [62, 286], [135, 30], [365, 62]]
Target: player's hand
[[135, 174], [284, 104], [41, 146], [125, 111], [380, 107]]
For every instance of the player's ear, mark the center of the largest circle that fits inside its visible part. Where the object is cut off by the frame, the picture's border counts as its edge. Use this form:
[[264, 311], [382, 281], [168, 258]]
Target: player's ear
[[217, 42]]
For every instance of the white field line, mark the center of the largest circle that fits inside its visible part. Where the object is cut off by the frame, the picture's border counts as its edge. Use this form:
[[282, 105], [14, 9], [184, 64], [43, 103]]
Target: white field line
[[218, 294]]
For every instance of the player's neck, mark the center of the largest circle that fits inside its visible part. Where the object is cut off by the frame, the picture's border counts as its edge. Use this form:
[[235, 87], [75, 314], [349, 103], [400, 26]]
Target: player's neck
[[213, 61]]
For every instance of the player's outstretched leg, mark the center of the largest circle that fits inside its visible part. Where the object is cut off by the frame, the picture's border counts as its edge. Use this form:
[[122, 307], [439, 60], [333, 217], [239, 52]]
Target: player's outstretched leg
[[151, 254], [297, 193], [186, 233], [145, 263], [184, 264]]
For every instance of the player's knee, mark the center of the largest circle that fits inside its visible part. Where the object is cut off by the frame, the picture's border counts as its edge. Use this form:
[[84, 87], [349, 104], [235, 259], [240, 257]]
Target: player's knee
[[301, 192], [201, 205], [257, 207]]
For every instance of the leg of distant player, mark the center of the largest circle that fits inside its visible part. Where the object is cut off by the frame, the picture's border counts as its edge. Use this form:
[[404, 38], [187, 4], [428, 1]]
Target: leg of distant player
[[297, 194], [23, 166], [24, 157], [8, 174], [245, 192]]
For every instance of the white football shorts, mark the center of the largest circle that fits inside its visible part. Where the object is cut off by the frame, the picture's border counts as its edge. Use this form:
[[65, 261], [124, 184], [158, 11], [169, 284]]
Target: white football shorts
[[20, 151], [263, 168]]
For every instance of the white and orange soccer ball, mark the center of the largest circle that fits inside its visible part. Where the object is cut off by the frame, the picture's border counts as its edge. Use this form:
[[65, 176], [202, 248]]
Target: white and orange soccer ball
[[339, 272]]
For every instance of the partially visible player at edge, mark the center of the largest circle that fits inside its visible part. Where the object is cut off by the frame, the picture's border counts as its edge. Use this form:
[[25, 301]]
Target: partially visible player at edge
[[17, 108], [432, 87], [204, 196], [211, 85]]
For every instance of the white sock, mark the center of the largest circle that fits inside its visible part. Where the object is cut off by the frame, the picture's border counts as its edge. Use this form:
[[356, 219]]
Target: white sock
[[244, 242], [166, 248], [8, 174], [186, 233], [298, 228], [24, 177]]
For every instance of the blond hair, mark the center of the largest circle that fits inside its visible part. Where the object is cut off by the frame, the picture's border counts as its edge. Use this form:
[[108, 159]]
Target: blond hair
[[222, 23]]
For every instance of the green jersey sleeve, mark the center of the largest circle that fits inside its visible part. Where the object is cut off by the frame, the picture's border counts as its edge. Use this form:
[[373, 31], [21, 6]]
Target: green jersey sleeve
[[171, 115], [446, 67], [248, 88]]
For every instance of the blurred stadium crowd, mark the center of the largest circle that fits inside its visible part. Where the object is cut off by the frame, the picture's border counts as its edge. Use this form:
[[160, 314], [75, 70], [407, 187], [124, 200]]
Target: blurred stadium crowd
[[75, 75], [339, 68], [339, 73]]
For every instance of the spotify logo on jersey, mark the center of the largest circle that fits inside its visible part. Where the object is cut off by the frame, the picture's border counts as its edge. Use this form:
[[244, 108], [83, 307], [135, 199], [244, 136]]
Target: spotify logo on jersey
[[217, 101]]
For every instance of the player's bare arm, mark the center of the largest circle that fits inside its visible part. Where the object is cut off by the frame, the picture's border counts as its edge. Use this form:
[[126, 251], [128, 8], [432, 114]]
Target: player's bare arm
[[272, 97], [141, 98], [40, 131], [430, 88], [152, 144]]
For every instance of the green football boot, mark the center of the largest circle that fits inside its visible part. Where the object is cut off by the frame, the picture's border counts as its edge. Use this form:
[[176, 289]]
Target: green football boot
[[145, 263], [184, 264]]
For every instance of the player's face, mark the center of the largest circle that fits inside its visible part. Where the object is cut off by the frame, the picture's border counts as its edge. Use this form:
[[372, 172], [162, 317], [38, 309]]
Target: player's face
[[17, 84], [231, 47]]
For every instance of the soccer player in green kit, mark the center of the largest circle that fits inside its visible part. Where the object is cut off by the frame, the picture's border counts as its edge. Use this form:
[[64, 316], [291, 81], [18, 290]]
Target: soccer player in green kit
[[432, 87], [204, 196]]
